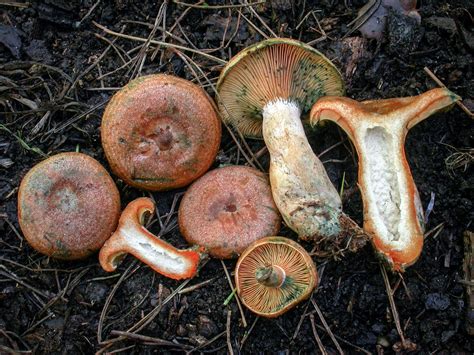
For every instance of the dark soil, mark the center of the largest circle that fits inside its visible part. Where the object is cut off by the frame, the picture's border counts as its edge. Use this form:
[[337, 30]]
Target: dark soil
[[58, 71]]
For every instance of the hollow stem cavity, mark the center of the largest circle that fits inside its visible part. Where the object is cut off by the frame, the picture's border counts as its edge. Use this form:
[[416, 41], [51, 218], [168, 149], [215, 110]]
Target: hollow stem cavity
[[392, 207], [131, 237]]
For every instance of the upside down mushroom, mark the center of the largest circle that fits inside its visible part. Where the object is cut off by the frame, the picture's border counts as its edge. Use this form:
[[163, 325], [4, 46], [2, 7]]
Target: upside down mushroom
[[392, 210], [264, 90], [133, 238], [273, 275]]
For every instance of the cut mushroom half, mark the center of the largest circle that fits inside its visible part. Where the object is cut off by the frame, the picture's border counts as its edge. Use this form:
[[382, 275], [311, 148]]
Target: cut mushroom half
[[160, 132], [133, 238], [392, 210], [273, 275], [265, 89]]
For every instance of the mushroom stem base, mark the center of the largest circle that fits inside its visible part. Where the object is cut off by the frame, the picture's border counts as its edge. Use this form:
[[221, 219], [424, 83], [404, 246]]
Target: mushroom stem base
[[271, 276]]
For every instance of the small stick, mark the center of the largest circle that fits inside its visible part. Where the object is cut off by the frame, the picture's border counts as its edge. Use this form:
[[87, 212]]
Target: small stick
[[247, 334], [316, 336], [207, 343], [16, 4], [244, 321], [254, 13], [303, 316], [6, 350], [195, 287], [160, 28], [89, 12], [255, 27], [149, 340], [441, 84], [331, 148], [326, 326], [345, 341], [436, 230], [217, 7], [109, 298], [12, 276], [121, 350], [229, 344], [164, 44], [393, 307], [148, 318]]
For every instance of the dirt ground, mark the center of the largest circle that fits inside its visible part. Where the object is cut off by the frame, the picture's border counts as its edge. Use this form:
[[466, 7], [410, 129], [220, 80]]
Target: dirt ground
[[58, 69]]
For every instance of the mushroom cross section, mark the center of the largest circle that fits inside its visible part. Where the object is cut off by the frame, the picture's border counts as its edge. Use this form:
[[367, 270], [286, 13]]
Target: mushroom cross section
[[133, 238], [227, 209], [266, 89], [160, 132], [68, 206], [392, 210], [273, 275]]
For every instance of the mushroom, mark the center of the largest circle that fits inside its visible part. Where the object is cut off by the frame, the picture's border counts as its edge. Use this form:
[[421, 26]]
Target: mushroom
[[227, 209], [270, 85], [68, 205], [133, 238], [392, 210], [273, 275], [160, 132]]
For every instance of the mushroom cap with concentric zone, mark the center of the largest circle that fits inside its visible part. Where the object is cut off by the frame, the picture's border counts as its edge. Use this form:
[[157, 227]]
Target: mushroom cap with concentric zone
[[160, 132], [299, 276], [228, 209], [277, 68], [68, 206]]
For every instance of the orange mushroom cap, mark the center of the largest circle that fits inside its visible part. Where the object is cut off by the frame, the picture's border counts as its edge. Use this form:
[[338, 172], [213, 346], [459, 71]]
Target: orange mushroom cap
[[228, 209], [160, 132], [68, 205], [273, 275]]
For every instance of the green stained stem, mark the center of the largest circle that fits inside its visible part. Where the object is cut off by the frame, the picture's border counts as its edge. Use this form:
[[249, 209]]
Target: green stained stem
[[271, 276]]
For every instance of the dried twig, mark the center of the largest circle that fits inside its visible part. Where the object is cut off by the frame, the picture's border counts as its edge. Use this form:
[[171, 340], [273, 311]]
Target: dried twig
[[150, 340], [231, 285], [207, 343], [229, 344], [109, 298], [441, 84], [164, 44], [393, 307], [217, 7], [247, 333], [197, 286], [316, 335], [326, 326]]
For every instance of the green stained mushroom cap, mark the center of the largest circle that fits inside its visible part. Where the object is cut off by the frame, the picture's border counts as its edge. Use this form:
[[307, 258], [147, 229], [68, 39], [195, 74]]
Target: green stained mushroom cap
[[277, 68]]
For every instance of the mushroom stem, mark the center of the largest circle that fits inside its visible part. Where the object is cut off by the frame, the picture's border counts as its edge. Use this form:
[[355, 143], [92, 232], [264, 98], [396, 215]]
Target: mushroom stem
[[392, 208], [270, 276], [131, 237], [302, 190]]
